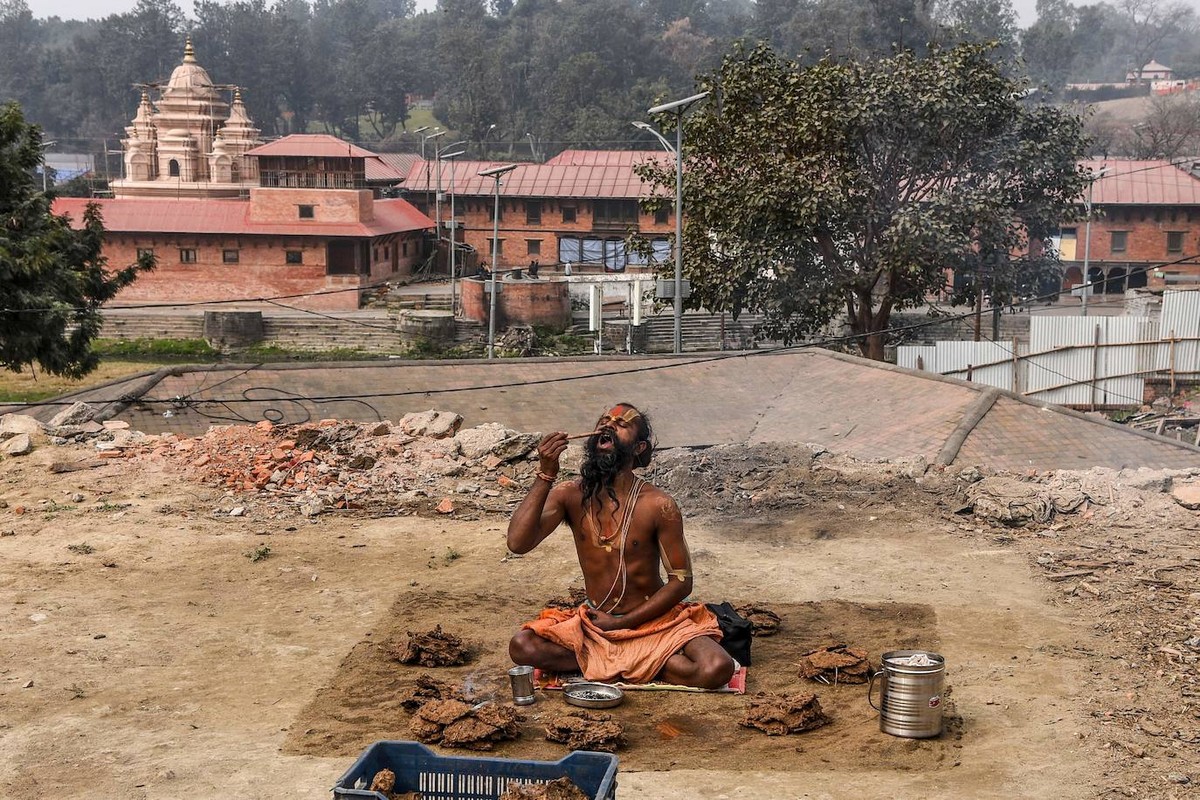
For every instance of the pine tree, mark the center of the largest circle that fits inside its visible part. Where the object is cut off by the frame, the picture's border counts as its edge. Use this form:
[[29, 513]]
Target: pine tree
[[53, 278]]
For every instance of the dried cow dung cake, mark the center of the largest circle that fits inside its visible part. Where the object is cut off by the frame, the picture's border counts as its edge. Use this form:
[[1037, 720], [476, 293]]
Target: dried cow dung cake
[[837, 663], [426, 688], [778, 715], [384, 781], [454, 723], [434, 648], [765, 622], [586, 730], [557, 789]]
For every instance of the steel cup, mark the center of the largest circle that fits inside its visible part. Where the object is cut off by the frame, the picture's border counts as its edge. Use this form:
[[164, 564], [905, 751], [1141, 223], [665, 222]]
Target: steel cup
[[522, 685]]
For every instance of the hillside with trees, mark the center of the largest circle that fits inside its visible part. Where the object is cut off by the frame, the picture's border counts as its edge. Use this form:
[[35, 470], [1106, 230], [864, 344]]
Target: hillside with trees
[[545, 74]]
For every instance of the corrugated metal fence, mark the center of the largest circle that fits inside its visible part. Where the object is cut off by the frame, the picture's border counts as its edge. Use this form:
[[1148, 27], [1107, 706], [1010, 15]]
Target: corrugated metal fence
[[1078, 361]]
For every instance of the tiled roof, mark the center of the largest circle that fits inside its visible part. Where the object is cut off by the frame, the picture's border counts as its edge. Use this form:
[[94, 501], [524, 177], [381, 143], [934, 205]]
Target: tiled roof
[[315, 145], [607, 158], [391, 166], [136, 215], [1128, 182], [599, 181]]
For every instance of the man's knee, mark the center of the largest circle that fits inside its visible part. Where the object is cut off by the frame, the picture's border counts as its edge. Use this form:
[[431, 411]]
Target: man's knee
[[521, 648], [714, 670]]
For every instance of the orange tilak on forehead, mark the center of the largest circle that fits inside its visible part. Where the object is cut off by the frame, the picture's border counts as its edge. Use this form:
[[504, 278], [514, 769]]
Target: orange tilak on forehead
[[620, 414]]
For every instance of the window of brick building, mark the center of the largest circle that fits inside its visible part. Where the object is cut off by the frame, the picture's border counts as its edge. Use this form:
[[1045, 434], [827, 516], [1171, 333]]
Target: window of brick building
[[145, 251], [492, 211], [615, 211], [230, 256], [533, 212], [1175, 241], [294, 257], [306, 212], [533, 247], [499, 246], [568, 213], [1120, 241], [662, 215], [187, 255]]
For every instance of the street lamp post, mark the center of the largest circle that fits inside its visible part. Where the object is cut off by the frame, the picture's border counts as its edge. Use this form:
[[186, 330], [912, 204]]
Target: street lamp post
[[45, 169], [437, 199], [453, 230], [1087, 241], [678, 108], [495, 173]]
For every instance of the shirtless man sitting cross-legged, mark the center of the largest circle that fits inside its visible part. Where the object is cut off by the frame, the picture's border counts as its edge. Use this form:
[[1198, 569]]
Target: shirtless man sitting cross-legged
[[635, 626]]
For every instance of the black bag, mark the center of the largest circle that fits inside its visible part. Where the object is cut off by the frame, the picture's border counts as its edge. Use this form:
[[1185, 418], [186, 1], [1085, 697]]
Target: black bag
[[736, 631]]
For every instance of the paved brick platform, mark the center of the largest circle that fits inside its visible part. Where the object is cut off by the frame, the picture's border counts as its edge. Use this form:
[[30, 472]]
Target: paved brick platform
[[864, 408]]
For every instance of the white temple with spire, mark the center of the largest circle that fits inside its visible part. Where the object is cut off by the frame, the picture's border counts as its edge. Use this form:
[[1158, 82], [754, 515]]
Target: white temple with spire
[[190, 142]]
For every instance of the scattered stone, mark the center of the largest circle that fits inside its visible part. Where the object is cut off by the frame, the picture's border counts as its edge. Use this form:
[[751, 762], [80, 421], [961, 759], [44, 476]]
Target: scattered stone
[[75, 414], [765, 621], [1187, 495], [115, 425], [27, 684], [12, 424], [445, 507], [19, 445], [558, 789], [837, 663], [77, 498], [237, 511], [586, 730], [432, 424], [477, 442], [1179, 778], [779, 715], [517, 446], [382, 429], [434, 648], [311, 507]]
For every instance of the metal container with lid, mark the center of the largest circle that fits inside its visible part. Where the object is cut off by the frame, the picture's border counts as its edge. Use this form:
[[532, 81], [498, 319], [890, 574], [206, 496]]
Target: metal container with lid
[[910, 693]]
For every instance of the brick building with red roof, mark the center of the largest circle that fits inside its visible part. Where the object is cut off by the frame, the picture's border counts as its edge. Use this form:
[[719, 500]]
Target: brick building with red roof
[[311, 230], [1145, 231], [576, 208]]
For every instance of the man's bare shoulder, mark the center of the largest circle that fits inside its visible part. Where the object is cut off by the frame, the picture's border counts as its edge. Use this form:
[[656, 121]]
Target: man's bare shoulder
[[661, 501]]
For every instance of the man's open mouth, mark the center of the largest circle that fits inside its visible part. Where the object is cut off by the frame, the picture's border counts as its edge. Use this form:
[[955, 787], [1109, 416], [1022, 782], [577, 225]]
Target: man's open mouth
[[605, 439]]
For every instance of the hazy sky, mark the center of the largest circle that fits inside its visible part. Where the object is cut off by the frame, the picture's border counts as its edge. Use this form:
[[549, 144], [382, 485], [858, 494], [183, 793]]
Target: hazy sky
[[82, 9]]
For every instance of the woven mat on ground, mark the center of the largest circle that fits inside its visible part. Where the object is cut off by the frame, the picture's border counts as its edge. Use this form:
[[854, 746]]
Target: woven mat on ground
[[553, 681]]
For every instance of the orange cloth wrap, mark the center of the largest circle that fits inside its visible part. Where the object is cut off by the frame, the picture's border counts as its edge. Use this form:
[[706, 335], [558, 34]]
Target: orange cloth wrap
[[635, 655]]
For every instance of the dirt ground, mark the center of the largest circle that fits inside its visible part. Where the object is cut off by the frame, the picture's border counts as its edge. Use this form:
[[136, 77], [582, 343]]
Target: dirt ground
[[156, 647]]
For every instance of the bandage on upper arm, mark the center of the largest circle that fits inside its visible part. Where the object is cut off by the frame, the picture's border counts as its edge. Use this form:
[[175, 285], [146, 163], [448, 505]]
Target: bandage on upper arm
[[683, 571]]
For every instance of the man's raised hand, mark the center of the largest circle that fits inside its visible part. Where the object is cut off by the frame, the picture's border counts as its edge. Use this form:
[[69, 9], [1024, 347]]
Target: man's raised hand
[[549, 450]]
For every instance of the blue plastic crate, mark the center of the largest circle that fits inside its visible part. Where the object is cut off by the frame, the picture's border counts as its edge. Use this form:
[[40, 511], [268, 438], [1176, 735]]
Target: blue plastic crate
[[438, 777]]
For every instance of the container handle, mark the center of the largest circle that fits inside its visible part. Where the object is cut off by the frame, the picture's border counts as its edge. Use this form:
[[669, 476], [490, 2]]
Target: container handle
[[871, 686]]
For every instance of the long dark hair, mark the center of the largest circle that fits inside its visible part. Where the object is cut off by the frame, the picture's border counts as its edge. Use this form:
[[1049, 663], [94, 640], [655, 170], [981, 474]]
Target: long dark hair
[[599, 471]]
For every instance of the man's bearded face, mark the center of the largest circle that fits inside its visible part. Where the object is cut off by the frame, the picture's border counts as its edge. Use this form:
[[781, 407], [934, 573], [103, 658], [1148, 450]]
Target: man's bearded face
[[606, 452]]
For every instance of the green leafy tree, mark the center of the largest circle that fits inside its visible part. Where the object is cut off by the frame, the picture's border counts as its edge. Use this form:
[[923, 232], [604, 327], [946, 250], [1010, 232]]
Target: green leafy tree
[[53, 278], [849, 190]]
